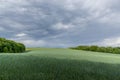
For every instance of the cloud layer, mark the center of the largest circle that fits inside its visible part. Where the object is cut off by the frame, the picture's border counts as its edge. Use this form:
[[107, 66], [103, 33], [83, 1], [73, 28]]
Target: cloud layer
[[60, 23]]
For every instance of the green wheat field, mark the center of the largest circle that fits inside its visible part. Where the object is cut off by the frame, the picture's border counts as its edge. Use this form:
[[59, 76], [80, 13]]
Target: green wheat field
[[59, 64]]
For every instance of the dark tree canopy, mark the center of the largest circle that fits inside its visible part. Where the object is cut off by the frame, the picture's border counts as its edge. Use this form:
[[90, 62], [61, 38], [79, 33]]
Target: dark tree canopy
[[9, 46]]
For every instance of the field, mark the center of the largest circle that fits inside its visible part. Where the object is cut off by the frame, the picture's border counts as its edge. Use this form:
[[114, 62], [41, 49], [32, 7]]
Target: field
[[59, 64]]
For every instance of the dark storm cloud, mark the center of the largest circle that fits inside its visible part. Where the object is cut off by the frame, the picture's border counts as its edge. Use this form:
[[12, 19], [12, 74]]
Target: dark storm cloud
[[59, 23]]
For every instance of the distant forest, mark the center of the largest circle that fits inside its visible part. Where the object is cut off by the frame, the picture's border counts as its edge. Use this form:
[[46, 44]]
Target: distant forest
[[115, 50]]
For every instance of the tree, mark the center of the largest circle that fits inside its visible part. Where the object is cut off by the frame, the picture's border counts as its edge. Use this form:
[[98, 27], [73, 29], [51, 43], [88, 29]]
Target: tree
[[5, 49], [93, 48]]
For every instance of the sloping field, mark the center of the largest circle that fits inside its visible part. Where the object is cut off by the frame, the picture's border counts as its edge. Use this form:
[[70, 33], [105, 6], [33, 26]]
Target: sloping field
[[76, 55], [59, 64]]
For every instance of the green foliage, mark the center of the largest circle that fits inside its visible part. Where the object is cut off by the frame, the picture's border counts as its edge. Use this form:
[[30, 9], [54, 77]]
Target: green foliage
[[9, 46], [93, 48], [5, 50], [115, 50]]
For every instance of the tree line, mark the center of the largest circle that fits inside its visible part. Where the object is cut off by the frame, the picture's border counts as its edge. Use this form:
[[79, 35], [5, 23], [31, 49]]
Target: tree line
[[9, 46], [115, 50]]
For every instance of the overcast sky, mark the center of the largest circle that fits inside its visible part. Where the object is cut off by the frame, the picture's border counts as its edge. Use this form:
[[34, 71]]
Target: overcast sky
[[61, 23]]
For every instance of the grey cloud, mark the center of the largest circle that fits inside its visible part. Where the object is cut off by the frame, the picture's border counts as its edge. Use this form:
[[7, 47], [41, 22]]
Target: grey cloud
[[59, 23]]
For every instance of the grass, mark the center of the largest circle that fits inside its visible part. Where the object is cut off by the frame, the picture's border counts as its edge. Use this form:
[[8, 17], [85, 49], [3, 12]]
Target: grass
[[59, 64]]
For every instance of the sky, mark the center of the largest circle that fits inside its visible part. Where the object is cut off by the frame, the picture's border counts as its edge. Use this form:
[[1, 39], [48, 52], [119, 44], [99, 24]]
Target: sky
[[61, 23]]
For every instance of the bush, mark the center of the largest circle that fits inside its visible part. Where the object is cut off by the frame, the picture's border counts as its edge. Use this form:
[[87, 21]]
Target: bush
[[9, 46]]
